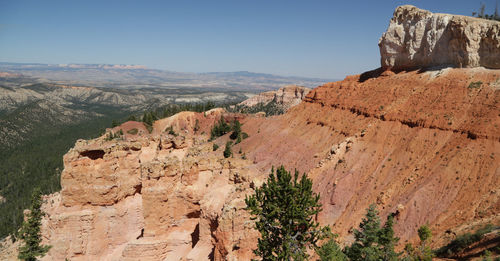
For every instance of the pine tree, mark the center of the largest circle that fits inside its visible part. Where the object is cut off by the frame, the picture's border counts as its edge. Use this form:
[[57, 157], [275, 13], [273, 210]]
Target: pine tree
[[330, 251], [196, 125], [236, 131], [227, 151], [285, 209], [423, 252], [30, 231], [373, 242], [219, 129], [387, 240], [365, 244]]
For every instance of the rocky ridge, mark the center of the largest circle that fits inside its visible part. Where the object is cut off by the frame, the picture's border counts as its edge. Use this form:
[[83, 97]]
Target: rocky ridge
[[285, 97], [154, 196], [418, 39]]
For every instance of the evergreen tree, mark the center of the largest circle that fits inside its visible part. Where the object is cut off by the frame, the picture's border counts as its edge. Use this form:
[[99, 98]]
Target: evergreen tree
[[330, 251], [30, 231], [423, 252], [227, 151], [364, 246], [236, 131], [196, 125], [285, 209], [371, 241], [131, 118], [219, 129], [387, 240]]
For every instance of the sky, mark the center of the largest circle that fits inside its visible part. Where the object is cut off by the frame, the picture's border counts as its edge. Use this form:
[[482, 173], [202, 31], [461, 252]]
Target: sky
[[311, 38]]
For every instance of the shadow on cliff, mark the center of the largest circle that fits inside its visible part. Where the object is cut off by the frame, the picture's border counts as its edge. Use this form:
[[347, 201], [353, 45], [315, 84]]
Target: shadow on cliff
[[381, 71], [371, 74]]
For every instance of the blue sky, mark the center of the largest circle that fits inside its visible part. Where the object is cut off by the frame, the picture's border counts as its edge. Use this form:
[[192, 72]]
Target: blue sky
[[328, 39]]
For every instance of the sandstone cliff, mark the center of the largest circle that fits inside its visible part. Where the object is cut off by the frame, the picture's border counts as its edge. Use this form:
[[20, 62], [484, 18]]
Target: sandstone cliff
[[285, 98], [152, 196], [417, 39]]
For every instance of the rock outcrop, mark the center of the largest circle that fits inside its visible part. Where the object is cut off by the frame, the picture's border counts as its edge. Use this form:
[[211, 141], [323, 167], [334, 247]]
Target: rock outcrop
[[154, 196], [417, 39], [285, 97]]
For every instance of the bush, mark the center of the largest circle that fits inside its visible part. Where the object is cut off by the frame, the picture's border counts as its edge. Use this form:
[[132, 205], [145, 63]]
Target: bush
[[215, 147], [475, 85], [171, 131], [112, 136], [133, 131], [463, 241]]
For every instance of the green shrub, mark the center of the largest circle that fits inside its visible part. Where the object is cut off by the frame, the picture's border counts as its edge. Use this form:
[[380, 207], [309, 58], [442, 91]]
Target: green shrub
[[215, 147], [171, 131], [112, 136], [475, 85], [133, 131], [463, 241]]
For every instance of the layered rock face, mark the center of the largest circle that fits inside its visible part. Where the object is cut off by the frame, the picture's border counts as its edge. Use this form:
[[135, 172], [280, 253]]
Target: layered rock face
[[425, 146], [286, 97], [417, 39], [152, 196]]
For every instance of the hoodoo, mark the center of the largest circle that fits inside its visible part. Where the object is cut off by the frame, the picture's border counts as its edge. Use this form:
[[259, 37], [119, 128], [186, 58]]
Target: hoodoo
[[417, 39]]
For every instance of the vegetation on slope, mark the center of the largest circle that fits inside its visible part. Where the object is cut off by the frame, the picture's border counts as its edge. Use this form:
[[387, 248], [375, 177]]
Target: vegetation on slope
[[285, 210], [271, 108], [30, 233], [36, 159], [37, 162]]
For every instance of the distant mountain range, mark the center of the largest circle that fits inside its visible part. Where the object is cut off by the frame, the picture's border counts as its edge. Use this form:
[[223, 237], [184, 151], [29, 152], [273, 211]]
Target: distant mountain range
[[136, 76]]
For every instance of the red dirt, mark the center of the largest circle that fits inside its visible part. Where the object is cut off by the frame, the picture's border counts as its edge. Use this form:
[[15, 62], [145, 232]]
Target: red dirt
[[422, 144]]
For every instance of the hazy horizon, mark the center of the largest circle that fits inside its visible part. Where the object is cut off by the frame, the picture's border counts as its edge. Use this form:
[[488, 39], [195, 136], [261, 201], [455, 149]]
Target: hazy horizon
[[319, 39]]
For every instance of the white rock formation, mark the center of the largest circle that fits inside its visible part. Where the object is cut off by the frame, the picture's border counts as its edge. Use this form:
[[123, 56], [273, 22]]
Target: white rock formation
[[417, 38]]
